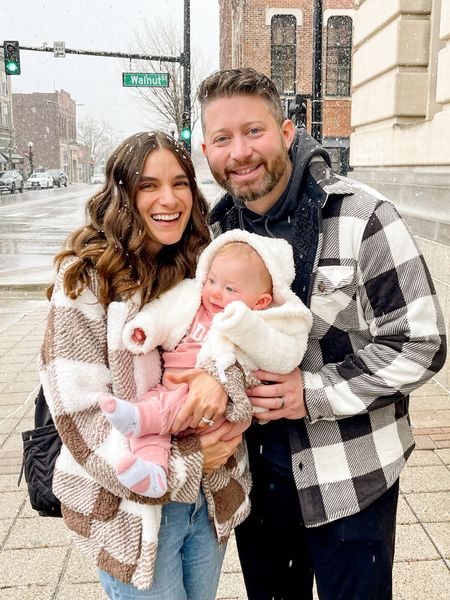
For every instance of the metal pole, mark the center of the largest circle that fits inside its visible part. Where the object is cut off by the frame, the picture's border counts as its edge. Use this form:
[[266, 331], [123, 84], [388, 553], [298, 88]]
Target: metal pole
[[187, 66], [30, 158], [316, 102], [132, 56]]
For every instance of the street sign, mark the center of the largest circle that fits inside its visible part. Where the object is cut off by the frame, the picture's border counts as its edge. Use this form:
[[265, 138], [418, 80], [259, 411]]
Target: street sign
[[145, 79], [59, 49]]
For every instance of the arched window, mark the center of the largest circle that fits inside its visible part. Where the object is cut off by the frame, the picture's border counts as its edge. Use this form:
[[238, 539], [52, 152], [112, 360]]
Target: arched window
[[339, 56], [283, 53]]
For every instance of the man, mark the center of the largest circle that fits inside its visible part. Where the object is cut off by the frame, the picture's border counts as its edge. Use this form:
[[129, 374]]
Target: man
[[326, 467]]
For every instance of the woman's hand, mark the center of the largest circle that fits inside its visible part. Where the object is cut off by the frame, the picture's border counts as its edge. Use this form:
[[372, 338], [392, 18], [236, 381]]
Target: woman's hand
[[206, 398], [281, 399], [216, 452]]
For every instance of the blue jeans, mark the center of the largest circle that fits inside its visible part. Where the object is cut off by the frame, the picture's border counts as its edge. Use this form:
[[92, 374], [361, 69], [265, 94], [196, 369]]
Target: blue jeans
[[188, 560]]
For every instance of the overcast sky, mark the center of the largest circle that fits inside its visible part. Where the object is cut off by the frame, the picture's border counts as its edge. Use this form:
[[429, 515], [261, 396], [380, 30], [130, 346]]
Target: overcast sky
[[110, 25]]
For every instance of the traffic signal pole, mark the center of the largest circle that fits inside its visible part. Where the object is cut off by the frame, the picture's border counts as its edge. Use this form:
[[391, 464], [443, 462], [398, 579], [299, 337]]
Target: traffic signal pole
[[107, 54], [186, 62], [317, 100]]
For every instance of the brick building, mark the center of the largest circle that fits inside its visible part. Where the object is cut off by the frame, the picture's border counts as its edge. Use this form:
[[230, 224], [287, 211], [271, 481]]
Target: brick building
[[48, 121], [276, 37]]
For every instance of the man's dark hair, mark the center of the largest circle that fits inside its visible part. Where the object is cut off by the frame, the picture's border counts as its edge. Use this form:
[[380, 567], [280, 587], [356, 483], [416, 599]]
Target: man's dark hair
[[239, 82]]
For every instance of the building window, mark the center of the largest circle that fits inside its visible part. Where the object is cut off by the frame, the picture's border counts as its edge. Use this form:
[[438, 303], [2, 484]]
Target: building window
[[339, 56], [5, 116], [283, 53]]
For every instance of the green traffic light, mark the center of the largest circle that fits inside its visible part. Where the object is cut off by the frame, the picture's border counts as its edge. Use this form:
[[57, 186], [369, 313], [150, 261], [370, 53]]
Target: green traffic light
[[11, 67], [11, 57], [186, 134]]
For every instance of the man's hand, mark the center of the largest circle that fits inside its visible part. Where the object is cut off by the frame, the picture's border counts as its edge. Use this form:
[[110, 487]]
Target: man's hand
[[215, 451], [206, 399], [283, 398]]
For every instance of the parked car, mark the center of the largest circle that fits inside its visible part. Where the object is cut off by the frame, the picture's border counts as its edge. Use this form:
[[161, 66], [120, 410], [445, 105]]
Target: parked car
[[59, 177], [10, 181], [39, 180], [98, 178]]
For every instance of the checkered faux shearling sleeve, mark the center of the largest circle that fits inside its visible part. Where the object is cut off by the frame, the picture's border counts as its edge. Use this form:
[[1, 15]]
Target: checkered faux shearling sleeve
[[399, 315]]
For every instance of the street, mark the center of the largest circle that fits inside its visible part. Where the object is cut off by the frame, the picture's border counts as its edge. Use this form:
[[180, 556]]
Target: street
[[33, 226]]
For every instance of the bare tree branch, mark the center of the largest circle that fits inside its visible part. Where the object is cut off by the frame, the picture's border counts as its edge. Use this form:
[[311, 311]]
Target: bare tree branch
[[99, 137], [164, 38]]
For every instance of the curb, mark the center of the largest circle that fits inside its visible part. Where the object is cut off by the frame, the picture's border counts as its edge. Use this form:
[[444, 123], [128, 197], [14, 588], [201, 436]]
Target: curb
[[23, 287]]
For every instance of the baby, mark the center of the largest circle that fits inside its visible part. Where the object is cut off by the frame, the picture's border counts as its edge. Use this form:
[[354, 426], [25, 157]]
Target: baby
[[240, 315]]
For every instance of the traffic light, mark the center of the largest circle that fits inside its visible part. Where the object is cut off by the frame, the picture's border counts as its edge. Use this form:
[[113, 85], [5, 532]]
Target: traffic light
[[11, 53], [297, 109], [186, 127]]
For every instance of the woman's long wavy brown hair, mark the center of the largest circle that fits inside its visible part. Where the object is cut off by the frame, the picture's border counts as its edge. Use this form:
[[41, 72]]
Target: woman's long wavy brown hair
[[115, 239]]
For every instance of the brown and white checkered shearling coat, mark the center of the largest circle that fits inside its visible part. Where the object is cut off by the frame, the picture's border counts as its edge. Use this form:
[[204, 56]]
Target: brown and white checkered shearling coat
[[82, 358]]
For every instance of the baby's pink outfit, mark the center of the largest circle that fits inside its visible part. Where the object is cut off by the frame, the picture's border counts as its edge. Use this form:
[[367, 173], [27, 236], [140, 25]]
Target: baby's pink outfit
[[159, 406]]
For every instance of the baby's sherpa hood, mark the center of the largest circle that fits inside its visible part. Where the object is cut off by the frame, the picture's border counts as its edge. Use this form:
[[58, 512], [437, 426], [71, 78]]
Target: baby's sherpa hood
[[276, 254]]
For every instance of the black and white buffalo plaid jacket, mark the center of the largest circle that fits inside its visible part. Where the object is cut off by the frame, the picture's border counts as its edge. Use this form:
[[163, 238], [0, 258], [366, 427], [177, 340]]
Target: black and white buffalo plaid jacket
[[378, 334]]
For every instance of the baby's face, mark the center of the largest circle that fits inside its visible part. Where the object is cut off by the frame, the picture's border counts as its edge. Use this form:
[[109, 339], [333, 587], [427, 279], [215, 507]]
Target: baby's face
[[231, 278]]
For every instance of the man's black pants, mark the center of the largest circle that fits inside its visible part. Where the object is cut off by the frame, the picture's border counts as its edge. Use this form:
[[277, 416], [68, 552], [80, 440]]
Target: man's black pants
[[351, 558]]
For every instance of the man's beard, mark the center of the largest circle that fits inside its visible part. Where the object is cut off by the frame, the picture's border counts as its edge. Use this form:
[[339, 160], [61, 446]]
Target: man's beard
[[251, 192]]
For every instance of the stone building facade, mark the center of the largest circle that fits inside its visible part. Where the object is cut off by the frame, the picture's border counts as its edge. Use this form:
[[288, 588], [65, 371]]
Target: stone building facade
[[276, 37], [401, 120], [48, 121]]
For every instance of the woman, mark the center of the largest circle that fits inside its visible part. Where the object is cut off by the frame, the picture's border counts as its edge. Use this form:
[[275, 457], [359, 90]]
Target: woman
[[144, 232]]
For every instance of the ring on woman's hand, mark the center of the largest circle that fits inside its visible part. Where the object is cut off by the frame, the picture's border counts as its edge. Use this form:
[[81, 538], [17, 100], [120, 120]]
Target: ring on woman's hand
[[209, 422], [282, 402]]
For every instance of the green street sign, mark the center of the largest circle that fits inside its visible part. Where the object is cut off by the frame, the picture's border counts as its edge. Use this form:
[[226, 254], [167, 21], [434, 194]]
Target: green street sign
[[145, 79]]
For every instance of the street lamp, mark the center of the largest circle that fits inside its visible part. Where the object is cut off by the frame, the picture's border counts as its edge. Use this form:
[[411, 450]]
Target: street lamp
[[30, 156]]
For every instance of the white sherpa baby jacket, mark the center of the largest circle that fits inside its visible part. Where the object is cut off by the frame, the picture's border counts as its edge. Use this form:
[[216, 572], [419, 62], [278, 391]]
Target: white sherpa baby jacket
[[273, 339]]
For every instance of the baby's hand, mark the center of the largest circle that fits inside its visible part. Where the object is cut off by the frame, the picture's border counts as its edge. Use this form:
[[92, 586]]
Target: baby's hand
[[138, 336], [233, 314]]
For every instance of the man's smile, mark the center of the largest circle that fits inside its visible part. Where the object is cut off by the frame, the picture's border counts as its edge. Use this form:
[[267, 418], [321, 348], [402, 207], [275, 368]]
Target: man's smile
[[244, 172]]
